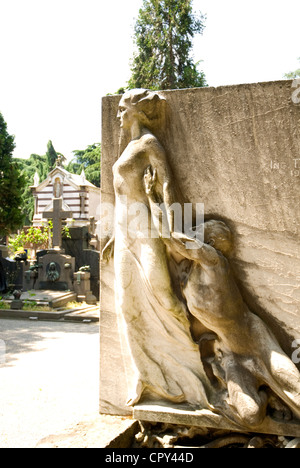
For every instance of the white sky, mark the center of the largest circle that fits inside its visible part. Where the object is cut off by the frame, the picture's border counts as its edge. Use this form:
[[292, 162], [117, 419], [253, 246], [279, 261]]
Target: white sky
[[59, 57]]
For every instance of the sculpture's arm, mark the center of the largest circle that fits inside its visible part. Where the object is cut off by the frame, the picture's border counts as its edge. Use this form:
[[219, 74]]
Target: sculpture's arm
[[200, 252], [163, 189], [108, 249]]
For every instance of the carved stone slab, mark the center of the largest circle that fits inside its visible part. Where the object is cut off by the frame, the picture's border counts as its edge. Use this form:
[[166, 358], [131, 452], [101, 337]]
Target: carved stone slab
[[205, 418], [236, 150]]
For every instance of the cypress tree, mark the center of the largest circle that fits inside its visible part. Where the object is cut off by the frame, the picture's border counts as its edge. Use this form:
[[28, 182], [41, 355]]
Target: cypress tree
[[163, 36], [12, 184]]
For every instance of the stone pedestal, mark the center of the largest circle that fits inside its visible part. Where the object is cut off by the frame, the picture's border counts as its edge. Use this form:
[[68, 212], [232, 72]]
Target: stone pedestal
[[82, 287], [17, 304]]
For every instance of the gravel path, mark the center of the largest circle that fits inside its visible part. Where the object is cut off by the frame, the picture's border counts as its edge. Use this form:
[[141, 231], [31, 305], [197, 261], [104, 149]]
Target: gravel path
[[49, 380]]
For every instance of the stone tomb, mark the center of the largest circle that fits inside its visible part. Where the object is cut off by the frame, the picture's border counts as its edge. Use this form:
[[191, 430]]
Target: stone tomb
[[54, 270], [177, 345]]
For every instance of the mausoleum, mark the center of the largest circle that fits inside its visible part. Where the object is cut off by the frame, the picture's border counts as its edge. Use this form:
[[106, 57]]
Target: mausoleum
[[79, 196]]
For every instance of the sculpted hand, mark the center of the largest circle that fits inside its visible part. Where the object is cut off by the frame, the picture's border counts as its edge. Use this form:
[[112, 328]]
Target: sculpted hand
[[150, 179]]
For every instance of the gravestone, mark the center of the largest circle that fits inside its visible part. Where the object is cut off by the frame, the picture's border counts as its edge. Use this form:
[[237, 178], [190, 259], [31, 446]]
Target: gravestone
[[54, 270], [78, 247], [57, 215], [11, 271], [82, 287], [180, 312]]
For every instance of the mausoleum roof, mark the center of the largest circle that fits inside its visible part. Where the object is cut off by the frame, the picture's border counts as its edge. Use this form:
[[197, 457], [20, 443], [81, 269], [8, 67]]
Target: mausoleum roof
[[73, 179]]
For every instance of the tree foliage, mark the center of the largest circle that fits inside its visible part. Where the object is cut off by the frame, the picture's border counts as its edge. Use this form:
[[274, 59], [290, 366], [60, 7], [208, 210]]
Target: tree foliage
[[12, 184], [164, 32], [40, 164], [37, 237], [88, 160], [294, 74]]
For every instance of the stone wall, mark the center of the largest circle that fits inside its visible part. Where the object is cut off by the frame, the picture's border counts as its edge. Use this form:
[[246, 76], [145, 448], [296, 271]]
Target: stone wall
[[237, 150]]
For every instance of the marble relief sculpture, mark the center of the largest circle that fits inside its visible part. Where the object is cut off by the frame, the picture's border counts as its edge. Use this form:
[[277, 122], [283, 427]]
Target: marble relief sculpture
[[164, 284], [165, 359]]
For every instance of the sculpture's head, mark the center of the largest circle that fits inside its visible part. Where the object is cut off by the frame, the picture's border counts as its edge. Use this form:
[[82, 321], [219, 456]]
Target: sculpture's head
[[141, 104], [218, 235]]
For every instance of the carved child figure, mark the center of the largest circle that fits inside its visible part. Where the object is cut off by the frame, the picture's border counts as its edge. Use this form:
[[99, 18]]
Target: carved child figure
[[250, 355]]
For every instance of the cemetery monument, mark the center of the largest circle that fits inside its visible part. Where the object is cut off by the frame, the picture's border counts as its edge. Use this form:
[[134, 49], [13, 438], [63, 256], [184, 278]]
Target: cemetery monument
[[79, 200], [54, 270], [200, 262]]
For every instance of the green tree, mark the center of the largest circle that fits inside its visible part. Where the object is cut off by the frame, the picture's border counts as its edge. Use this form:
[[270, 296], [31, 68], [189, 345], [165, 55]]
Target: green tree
[[29, 167], [294, 74], [51, 156], [88, 160], [12, 184], [37, 237], [42, 164], [35, 163], [164, 32]]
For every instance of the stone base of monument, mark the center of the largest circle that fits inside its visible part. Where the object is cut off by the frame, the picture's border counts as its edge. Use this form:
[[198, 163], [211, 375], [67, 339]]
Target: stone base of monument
[[16, 304], [87, 314], [82, 287], [56, 301], [187, 416]]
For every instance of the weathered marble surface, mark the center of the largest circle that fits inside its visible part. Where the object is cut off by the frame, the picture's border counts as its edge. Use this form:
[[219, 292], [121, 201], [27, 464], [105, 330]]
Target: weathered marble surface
[[235, 149]]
